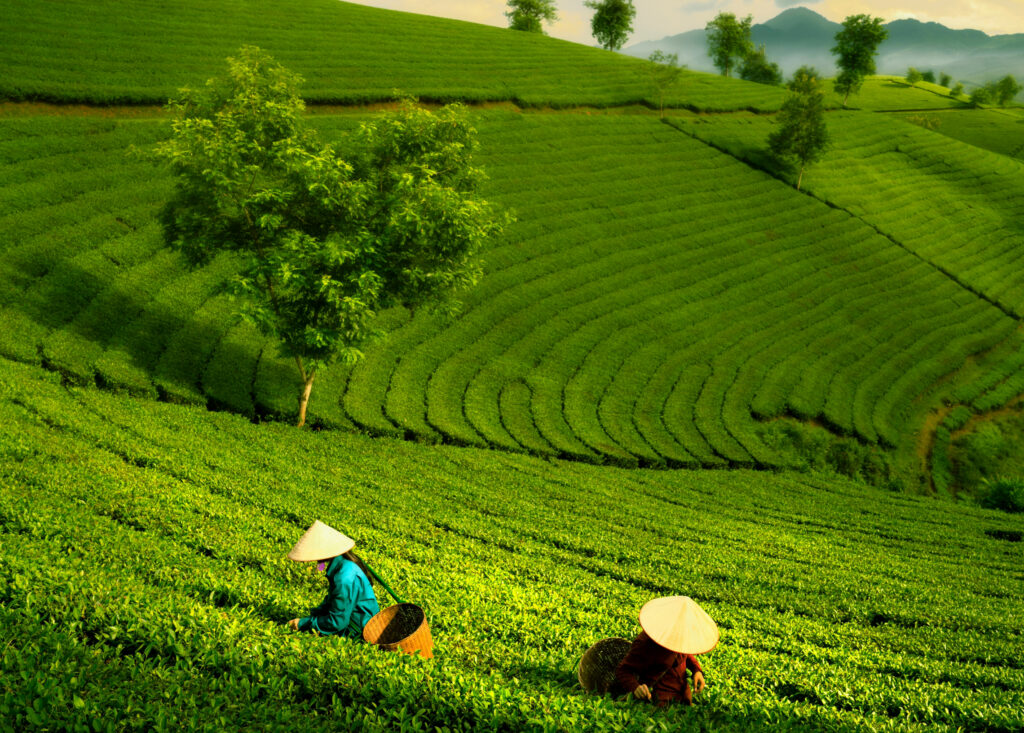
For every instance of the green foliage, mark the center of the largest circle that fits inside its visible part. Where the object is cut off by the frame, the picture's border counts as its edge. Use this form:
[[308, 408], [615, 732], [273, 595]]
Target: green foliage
[[728, 41], [957, 91], [144, 584], [981, 96], [1003, 493], [856, 45], [612, 21], [913, 76], [664, 73], [929, 76], [945, 79], [757, 68], [325, 242], [997, 130], [530, 15], [1005, 90], [801, 134]]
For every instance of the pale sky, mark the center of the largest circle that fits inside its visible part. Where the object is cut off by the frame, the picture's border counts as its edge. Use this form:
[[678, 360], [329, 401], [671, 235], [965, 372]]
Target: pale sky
[[656, 19]]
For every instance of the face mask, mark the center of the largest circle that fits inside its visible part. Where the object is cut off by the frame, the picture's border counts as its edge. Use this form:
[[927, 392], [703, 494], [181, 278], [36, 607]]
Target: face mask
[[321, 566]]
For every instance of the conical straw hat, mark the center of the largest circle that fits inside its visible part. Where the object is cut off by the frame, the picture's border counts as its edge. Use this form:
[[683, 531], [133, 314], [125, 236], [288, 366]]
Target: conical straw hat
[[679, 624], [319, 543]]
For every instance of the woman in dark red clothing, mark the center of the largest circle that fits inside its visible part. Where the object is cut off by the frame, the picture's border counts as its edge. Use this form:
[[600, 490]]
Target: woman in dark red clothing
[[675, 629]]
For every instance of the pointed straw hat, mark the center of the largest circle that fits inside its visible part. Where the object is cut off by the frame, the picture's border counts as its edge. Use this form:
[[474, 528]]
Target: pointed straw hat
[[679, 624], [319, 543]]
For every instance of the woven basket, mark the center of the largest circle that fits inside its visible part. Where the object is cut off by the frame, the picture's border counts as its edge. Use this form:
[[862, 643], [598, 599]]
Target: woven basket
[[596, 671], [402, 627]]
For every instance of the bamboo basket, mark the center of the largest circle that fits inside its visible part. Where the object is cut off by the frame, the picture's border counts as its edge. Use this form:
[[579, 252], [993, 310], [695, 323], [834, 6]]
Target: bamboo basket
[[402, 627], [596, 671]]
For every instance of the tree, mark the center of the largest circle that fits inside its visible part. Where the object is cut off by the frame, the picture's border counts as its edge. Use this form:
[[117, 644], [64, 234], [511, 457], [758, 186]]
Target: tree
[[944, 80], [957, 91], [1005, 90], [856, 45], [757, 68], [529, 15], [801, 134], [728, 41], [324, 239], [913, 76], [980, 96], [664, 73], [612, 22], [928, 76]]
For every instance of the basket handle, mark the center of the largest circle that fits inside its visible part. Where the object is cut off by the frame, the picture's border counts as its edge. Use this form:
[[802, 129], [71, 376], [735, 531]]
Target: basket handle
[[386, 586]]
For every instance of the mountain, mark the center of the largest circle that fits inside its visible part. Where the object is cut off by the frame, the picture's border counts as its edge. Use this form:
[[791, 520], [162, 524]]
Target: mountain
[[801, 36]]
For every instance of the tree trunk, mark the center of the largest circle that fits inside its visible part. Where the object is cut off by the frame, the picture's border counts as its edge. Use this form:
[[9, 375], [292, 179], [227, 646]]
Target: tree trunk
[[800, 178], [307, 387], [845, 98]]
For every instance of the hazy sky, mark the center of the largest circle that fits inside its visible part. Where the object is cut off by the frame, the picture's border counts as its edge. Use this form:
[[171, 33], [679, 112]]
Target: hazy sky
[[656, 19]]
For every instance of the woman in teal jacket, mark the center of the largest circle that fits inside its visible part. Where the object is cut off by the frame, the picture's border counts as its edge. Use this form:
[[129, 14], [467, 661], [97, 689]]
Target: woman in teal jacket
[[350, 600]]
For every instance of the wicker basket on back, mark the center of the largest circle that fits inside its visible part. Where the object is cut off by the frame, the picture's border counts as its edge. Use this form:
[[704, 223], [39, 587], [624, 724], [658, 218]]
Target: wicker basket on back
[[596, 671]]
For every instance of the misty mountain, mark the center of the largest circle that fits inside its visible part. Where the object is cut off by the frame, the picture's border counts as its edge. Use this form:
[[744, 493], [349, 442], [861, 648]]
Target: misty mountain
[[800, 36]]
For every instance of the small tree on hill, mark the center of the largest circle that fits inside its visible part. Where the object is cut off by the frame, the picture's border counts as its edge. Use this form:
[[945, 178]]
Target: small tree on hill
[[325, 240], [981, 96], [957, 91], [1005, 90], [944, 80], [530, 15], [757, 68], [913, 76], [728, 41], [856, 45], [664, 72], [928, 76], [612, 22], [801, 134]]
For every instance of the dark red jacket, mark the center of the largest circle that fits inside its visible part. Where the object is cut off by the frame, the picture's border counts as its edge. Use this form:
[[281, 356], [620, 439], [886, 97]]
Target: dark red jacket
[[661, 669]]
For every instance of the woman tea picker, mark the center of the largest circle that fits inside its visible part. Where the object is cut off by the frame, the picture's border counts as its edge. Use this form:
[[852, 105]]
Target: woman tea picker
[[350, 601], [675, 629]]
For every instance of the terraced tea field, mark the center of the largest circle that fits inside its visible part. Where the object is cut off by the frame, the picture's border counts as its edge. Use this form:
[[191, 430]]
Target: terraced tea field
[[998, 130], [154, 536], [633, 315], [140, 51]]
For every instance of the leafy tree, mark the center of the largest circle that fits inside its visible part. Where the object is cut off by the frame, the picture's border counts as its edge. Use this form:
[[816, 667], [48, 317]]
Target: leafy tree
[[664, 73], [928, 76], [324, 239], [944, 80], [1005, 90], [612, 22], [913, 76], [801, 134], [728, 41], [756, 67], [957, 90], [529, 15], [856, 45], [980, 96]]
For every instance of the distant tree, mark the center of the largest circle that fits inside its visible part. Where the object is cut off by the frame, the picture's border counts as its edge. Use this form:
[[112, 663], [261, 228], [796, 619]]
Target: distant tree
[[1005, 90], [913, 76], [756, 67], [324, 241], [856, 45], [944, 80], [728, 41], [664, 72], [801, 134], [981, 96], [530, 15], [928, 76], [612, 22], [957, 91]]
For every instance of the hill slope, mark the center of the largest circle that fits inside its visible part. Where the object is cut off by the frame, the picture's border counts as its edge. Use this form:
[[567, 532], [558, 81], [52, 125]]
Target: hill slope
[[132, 52], [154, 536]]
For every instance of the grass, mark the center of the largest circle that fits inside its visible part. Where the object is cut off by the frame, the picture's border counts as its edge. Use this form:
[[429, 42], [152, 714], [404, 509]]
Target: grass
[[891, 93], [154, 536], [142, 52], [998, 130]]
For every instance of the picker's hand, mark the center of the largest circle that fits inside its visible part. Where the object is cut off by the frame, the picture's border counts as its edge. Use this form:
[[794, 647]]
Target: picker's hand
[[698, 682], [293, 624], [643, 692]]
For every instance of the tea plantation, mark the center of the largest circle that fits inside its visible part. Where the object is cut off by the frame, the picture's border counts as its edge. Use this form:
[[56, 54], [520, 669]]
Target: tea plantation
[[144, 584], [665, 300]]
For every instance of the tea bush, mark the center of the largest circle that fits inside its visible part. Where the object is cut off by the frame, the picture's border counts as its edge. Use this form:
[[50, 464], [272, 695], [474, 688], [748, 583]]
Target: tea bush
[[144, 582]]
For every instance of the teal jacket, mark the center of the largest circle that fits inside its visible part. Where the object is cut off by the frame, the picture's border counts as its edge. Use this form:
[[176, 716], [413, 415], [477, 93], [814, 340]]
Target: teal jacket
[[350, 602]]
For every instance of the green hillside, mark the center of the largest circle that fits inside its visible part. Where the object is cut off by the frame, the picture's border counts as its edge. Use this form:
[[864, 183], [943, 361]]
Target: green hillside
[[633, 314], [150, 561], [134, 51], [998, 130]]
